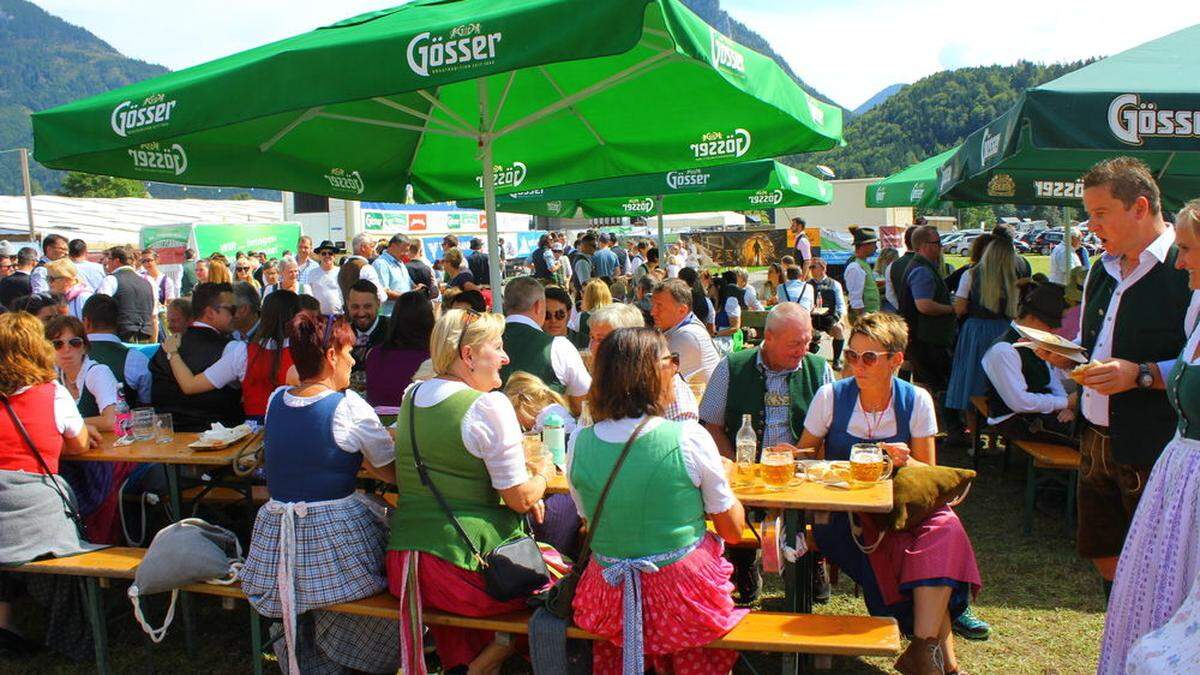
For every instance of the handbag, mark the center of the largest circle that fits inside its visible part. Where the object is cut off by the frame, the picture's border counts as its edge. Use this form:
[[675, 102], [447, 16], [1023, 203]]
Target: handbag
[[559, 599], [515, 568], [68, 505]]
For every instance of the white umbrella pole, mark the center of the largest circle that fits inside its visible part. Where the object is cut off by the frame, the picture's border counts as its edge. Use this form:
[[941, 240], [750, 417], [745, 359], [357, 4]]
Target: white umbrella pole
[[495, 267], [662, 243]]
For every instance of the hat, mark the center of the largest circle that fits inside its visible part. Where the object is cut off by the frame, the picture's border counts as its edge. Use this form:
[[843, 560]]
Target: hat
[[476, 243], [865, 235], [556, 246], [325, 246], [1045, 301]]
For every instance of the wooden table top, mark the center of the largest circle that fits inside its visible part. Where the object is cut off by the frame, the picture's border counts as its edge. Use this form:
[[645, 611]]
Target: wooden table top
[[806, 495], [177, 452]]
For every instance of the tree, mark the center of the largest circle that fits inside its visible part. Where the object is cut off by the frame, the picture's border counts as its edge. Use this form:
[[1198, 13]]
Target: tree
[[79, 184], [970, 217]]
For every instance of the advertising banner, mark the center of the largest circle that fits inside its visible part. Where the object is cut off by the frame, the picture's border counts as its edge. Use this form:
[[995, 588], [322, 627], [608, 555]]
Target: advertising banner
[[169, 241], [271, 238], [743, 249]]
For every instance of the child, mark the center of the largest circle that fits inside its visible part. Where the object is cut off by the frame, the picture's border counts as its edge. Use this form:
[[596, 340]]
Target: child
[[534, 401]]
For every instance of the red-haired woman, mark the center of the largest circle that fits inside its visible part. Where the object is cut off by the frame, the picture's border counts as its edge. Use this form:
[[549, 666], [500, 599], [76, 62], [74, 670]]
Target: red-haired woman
[[317, 543]]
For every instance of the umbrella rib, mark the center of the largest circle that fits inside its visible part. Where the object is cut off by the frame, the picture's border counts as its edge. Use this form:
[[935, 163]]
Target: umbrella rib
[[416, 151], [512, 75], [637, 69], [418, 114], [1163, 170], [444, 108], [394, 125], [303, 117], [583, 120]]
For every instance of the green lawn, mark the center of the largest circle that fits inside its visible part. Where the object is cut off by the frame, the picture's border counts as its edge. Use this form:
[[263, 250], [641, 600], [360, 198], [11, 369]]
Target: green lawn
[[1045, 604], [1039, 263]]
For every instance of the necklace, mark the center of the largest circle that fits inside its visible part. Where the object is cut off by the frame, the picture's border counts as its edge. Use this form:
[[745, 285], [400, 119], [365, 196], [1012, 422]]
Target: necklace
[[872, 419]]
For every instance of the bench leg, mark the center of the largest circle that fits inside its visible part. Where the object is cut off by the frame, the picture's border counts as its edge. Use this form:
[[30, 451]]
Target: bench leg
[[797, 580], [95, 610], [256, 641], [1030, 494], [185, 599]]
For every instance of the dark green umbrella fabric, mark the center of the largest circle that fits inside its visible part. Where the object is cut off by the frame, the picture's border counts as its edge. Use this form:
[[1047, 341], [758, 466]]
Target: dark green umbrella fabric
[[758, 185], [1143, 102], [915, 186]]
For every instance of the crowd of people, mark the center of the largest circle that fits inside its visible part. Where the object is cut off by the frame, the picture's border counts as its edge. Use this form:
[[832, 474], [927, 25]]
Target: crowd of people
[[389, 364]]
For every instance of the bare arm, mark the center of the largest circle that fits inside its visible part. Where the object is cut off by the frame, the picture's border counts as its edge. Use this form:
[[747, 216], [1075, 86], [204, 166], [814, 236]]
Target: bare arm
[[89, 437], [729, 525], [735, 324], [105, 421], [809, 440], [385, 473], [724, 446], [188, 383], [960, 306]]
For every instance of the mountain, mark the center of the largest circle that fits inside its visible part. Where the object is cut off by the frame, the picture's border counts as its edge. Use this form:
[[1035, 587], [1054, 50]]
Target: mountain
[[933, 114], [879, 97], [711, 12]]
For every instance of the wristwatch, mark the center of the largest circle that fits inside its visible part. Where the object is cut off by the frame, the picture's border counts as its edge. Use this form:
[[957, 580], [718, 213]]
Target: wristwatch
[[1145, 380]]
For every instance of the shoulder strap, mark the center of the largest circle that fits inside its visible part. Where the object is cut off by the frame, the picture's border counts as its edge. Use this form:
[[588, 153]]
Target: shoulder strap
[[12, 415], [586, 549], [423, 473]]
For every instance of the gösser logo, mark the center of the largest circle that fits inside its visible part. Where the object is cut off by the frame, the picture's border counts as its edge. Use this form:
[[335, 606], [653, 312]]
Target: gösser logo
[[725, 53], [880, 193], [990, 147], [771, 197], [689, 178], [503, 176], [645, 205], [350, 181], [464, 47], [129, 117], [918, 191], [1130, 120], [716, 144], [156, 159]]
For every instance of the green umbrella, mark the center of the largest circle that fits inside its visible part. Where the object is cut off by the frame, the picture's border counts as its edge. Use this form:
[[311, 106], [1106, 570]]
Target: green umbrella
[[455, 98], [1143, 102], [758, 185], [914, 186]]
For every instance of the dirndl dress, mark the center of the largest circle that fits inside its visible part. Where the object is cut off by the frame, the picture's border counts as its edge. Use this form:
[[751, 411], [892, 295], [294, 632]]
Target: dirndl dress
[[305, 556], [967, 378], [1153, 622]]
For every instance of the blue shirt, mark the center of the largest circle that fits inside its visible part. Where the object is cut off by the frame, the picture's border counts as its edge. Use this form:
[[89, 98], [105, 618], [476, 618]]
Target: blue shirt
[[393, 275], [921, 282], [604, 263]]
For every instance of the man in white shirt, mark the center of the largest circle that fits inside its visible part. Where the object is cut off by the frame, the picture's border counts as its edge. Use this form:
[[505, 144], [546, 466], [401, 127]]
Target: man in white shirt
[[1061, 260], [305, 260], [671, 308], [322, 280], [54, 247], [526, 343], [91, 273], [364, 250]]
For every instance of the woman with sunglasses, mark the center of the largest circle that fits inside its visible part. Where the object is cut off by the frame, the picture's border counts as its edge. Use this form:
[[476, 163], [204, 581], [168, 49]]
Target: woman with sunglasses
[[328, 540], [64, 280], [687, 602], [242, 272], [558, 314], [96, 392], [468, 436], [923, 576]]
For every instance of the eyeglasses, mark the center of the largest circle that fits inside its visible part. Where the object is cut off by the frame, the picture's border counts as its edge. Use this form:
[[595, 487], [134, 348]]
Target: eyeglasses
[[241, 269], [329, 319], [53, 279], [868, 358], [74, 342], [232, 309], [469, 319], [672, 358], [558, 314]]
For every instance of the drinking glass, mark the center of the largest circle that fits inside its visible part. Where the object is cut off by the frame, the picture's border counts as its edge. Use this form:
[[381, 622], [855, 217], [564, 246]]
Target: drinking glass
[[869, 463], [778, 468], [164, 429], [143, 424]]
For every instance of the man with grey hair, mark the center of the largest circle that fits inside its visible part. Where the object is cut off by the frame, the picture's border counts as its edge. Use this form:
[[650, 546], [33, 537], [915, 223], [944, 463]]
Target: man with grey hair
[[532, 350], [671, 309], [773, 384], [391, 276], [1060, 257], [362, 247], [245, 314]]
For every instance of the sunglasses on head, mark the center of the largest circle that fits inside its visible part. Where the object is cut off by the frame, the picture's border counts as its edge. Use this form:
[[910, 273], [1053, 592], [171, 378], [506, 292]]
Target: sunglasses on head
[[470, 318], [867, 358], [559, 314], [672, 358], [74, 342], [329, 319]]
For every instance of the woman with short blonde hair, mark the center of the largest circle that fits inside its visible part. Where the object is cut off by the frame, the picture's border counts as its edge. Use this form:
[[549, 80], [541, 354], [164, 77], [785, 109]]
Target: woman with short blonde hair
[[596, 294], [63, 277]]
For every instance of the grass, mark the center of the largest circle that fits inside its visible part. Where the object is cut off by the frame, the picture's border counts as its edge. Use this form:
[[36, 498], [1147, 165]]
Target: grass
[[1045, 605]]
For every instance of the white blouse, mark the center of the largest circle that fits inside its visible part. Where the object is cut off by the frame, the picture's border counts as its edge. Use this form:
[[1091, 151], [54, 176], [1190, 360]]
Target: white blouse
[[700, 458], [921, 424], [356, 427], [99, 380], [490, 430]]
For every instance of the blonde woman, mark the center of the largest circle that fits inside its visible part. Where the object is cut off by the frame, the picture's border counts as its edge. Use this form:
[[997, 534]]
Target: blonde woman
[[218, 272], [891, 301], [988, 297], [64, 279], [596, 294], [533, 401], [468, 437]]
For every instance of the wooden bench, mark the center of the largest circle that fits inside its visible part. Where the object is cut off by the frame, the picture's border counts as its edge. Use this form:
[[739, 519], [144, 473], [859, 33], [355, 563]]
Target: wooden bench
[[1044, 457], [759, 631]]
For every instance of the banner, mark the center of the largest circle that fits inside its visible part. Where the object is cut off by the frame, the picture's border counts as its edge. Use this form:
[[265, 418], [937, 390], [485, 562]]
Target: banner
[[814, 237], [169, 241], [270, 238], [743, 249]]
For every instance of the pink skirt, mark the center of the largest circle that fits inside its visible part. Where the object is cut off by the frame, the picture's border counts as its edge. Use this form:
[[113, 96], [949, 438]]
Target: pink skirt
[[937, 548], [685, 606]]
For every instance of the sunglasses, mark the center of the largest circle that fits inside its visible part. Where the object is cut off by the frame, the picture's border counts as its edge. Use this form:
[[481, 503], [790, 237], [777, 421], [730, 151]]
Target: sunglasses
[[469, 319], [558, 314], [672, 358], [329, 319], [867, 358], [241, 269], [326, 253], [73, 342], [53, 279]]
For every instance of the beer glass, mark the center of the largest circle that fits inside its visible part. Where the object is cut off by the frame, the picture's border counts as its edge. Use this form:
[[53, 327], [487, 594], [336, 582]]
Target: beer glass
[[778, 468], [869, 463]]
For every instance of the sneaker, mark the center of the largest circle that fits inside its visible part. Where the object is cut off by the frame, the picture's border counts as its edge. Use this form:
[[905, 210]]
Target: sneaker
[[821, 588], [970, 627]]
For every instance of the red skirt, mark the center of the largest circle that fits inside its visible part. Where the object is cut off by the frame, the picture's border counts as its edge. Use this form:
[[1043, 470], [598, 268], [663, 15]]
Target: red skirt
[[937, 548], [685, 606]]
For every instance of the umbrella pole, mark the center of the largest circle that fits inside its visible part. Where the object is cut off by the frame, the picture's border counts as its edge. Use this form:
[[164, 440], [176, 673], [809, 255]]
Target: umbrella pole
[[662, 251], [495, 267]]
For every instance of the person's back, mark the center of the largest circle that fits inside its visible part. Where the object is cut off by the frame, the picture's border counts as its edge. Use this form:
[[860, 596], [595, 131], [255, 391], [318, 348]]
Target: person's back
[[93, 273], [135, 305], [199, 348], [604, 263], [303, 461], [266, 369], [389, 372], [528, 350], [14, 286], [477, 262]]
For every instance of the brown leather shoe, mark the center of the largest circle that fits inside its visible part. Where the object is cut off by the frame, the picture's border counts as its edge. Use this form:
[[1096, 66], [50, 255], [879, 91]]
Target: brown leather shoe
[[923, 657]]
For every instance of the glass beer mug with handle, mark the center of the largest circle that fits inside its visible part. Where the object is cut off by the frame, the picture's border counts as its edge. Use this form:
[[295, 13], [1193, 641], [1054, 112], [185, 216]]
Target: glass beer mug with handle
[[869, 463]]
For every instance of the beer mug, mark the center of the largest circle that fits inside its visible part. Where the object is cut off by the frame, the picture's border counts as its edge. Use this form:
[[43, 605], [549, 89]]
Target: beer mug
[[778, 468], [869, 463]]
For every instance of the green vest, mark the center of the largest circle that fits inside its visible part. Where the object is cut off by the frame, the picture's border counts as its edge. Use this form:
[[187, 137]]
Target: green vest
[[870, 288], [934, 330], [1148, 328], [113, 355], [418, 522], [652, 507], [1183, 390], [528, 349], [747, 388]]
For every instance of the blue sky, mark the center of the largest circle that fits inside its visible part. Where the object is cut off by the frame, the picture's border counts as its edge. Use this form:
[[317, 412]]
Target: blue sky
[[846, 49]]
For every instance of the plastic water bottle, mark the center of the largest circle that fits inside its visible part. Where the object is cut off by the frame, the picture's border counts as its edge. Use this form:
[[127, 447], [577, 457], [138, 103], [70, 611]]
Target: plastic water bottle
[[554, 438], [747, 450], [124, 421]]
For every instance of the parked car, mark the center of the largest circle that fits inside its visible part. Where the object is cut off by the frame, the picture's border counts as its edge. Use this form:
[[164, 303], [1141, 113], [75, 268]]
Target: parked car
[[962, 245], [1045, 242]]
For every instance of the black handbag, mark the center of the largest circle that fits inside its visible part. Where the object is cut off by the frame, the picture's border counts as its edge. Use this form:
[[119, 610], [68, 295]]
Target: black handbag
[[515, 568], [68, 505], [558, 600]]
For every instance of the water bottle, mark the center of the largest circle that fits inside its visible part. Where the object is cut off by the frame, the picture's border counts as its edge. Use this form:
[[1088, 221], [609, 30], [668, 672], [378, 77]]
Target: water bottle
[[554, 438], [124, 421], [747, 451]]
